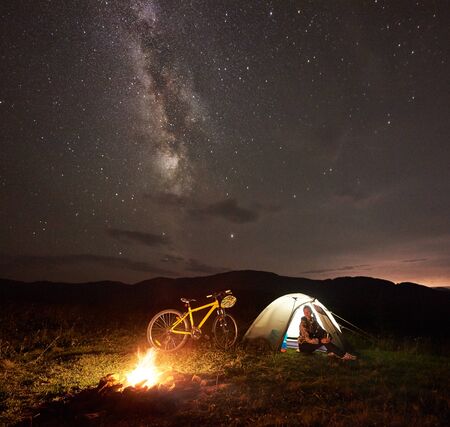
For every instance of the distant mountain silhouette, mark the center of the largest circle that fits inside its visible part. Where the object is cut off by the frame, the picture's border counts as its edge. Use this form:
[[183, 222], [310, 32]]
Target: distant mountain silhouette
[[379, 306]]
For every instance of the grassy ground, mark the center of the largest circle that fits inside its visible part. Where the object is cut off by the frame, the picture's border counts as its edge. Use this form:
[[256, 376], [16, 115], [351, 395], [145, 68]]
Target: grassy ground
[[383, 387], [63, 357]]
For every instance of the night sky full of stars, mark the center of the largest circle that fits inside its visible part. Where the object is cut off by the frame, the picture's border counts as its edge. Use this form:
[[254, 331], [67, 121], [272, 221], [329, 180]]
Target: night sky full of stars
[[181, 138]]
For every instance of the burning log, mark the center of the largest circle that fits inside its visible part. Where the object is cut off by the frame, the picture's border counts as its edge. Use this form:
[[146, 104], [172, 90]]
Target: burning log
[[108, 382]]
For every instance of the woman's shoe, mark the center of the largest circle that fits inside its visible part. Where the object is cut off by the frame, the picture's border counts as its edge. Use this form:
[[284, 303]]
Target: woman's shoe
[[348, 356]]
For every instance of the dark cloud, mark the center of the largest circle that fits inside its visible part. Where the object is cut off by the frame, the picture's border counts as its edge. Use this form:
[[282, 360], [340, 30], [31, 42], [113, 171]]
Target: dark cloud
[[195, 266], [148, 239], [49, 261], [228, 210], [357, 196], [172, 259], [415, 260], [331, 270]]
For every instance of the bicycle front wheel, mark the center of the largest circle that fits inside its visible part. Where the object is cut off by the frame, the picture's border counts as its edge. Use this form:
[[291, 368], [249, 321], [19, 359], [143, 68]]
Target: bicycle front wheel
[[160, 333], [224, 331]]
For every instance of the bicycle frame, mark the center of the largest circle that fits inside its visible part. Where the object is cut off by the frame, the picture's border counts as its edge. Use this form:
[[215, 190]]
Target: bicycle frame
[[214, 305]]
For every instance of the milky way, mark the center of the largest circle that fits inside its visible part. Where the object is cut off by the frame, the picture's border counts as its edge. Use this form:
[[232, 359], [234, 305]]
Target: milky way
[[144, 138], [171, 114]]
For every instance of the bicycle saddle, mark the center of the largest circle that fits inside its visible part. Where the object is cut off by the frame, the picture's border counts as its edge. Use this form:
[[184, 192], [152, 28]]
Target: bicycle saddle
[[187, 300]]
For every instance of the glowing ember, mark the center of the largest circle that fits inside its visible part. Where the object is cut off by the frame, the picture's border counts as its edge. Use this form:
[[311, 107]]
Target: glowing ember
[[146, 373]]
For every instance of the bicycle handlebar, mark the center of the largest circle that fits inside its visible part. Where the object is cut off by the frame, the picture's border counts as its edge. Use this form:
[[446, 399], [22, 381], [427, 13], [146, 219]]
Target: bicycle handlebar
[[218, 294]]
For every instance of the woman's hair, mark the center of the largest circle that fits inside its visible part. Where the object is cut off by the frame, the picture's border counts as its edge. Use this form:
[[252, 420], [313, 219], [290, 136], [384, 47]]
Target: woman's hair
[[307, 306]]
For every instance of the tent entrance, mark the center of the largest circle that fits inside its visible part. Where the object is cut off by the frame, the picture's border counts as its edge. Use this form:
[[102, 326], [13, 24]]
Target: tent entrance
[[293, 329]]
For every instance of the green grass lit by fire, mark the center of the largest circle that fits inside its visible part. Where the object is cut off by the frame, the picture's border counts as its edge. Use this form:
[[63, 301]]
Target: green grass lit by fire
[[395, 387]]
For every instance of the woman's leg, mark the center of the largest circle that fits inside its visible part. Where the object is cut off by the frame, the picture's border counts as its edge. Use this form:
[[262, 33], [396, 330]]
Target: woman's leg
[[306, 347], [331, 348]]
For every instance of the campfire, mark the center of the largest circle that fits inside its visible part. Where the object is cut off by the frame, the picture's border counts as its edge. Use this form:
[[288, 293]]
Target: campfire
[[146, 374]]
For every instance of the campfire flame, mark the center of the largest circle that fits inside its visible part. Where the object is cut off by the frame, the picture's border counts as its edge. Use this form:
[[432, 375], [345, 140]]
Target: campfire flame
[[146, 373]]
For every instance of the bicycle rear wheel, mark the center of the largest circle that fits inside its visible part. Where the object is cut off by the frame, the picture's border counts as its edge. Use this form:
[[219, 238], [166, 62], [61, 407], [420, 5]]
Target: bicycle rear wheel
[[224, 331], [160, 335]]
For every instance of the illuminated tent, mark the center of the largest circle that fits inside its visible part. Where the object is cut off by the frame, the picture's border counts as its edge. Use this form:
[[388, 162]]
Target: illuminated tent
[[281, 319]]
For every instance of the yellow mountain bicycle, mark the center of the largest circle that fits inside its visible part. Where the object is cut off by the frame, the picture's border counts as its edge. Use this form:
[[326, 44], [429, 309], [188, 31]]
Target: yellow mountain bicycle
[[169, 329]]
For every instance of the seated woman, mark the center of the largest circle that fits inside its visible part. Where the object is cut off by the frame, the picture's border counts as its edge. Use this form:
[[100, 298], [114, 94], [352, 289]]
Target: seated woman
[[312, 336]]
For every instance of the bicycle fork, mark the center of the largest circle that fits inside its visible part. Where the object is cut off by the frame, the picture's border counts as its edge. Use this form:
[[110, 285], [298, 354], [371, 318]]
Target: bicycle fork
[[222, 319]]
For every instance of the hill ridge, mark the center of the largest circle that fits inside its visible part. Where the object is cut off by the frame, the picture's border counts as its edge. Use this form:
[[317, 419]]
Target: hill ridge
[[372, 303]]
